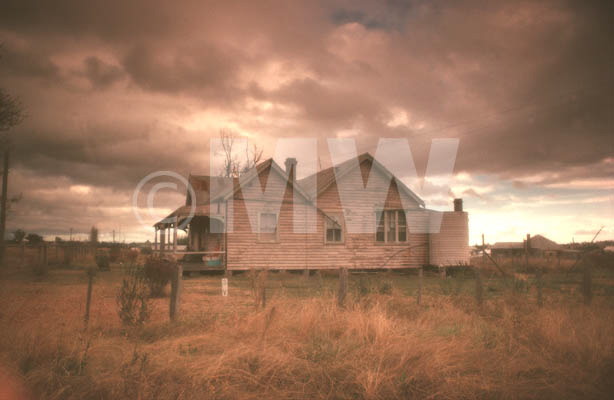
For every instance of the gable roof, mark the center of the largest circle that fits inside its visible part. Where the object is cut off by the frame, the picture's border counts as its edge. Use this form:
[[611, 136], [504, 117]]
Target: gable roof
[[257, 170], [543, 243], [322, 180], [314, 184]]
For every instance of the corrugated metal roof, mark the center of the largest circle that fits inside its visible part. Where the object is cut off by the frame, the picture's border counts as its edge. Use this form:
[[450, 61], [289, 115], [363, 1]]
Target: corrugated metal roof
[[507, 245]]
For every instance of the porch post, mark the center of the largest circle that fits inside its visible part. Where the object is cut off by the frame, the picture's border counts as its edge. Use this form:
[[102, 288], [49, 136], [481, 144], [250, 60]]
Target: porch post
[[168, 236], [175, 234], [162, 239], [155, 238]]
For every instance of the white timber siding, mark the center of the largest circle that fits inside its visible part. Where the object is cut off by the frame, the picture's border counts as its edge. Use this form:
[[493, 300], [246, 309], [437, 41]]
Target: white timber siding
[[309, 250]]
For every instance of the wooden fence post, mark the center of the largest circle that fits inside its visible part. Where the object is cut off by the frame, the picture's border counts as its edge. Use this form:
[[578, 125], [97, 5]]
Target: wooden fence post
[[23, 254], [343, 287], [420, 275], [527, 248], [479, 291], [263, 292], [587, 285], [91, 272], [540, 283], [225, 287], [45, 254], [320, 279], [175, 292], [260, 288]]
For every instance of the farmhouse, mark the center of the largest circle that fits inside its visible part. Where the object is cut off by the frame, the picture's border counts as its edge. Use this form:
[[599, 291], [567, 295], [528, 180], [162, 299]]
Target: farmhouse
[[539, 246], [353, 215]]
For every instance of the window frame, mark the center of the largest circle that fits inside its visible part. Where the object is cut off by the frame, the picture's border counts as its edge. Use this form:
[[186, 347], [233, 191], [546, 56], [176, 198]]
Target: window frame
[[341, 221], [386, 213], [260, 233]]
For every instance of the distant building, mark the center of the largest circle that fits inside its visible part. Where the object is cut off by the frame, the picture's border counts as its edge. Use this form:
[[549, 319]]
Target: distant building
[[539, 246]]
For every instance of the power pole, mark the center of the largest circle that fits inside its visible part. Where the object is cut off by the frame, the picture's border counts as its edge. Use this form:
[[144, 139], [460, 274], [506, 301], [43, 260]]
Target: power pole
[[70, 235], [483, 250]]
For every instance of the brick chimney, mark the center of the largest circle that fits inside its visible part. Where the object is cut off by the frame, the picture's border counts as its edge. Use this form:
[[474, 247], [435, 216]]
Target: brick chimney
[[458, 204], [291, 168]]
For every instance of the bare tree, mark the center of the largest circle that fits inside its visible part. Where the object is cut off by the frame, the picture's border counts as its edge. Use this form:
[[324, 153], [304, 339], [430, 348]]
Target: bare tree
[[94, 236], [11, 111], [234, 166], [19, 235]]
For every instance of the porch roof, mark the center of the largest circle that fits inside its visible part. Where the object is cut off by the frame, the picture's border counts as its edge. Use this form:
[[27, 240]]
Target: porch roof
[[184, 212]]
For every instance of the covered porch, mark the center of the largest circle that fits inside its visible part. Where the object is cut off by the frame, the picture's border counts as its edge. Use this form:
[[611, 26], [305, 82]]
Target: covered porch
[[206, 239]]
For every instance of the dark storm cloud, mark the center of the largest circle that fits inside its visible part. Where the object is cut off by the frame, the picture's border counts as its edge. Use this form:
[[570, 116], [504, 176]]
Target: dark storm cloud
[[389, 17], [106, 155], [28, 62], [203, 69], [111, 20], [101, 74]]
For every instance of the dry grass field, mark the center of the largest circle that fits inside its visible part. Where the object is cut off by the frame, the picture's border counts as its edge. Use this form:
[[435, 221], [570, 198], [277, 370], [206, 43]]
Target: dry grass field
[[382, 345]]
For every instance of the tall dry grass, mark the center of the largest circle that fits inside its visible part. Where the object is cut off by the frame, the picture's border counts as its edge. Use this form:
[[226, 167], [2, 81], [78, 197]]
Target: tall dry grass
[[377, 347]]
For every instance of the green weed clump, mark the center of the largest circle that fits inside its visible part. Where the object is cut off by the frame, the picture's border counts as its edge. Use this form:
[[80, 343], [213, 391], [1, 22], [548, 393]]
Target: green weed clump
[[133, 304]]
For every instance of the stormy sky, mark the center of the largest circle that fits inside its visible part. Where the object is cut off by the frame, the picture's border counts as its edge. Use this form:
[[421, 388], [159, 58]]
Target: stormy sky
[[116, 90]]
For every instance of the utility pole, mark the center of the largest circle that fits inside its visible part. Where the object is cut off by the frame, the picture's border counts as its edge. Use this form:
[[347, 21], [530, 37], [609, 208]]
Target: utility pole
[[483, 250], [11, 115], [70, 235], [113, 235]]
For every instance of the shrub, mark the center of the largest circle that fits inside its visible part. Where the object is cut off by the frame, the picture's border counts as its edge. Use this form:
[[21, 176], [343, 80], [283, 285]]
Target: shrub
[[133, 305], [146, 251], [131, 256], [115, 254], [158, 272], [103, 262]]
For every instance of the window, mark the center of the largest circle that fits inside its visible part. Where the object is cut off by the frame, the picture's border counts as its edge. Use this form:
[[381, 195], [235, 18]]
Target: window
[[391, 226], [381, 228], [334, 230], [268, 227], [402, 226]]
